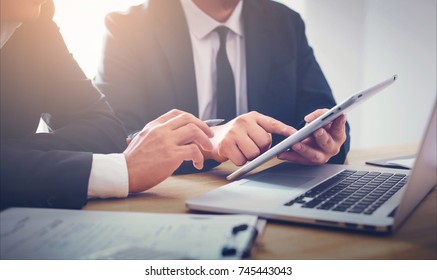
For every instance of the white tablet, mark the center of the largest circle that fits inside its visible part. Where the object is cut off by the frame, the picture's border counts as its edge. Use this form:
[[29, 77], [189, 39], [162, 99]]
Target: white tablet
[[321, 121]]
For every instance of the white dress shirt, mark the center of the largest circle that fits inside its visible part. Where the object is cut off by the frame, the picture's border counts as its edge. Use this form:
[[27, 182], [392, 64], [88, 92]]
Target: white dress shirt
[[109, 174], [205, 43]]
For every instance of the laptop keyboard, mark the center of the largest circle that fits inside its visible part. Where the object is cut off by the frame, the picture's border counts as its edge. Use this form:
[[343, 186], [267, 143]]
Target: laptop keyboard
[[352, 191]]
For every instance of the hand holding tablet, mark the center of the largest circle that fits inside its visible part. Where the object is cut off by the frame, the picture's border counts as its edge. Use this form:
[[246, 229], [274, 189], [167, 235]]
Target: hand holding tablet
[[306, 131]]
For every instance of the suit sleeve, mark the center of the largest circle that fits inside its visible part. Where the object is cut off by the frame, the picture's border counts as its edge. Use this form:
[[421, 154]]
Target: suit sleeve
[[78, 114], [40, 178]]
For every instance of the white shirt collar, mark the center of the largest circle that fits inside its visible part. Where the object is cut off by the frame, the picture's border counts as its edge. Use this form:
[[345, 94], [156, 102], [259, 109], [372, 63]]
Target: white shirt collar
[[7, 28], [200, 24]]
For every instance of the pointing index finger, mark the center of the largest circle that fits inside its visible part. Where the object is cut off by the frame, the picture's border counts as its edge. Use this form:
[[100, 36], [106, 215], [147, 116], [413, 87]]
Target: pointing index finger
[[272, 125]]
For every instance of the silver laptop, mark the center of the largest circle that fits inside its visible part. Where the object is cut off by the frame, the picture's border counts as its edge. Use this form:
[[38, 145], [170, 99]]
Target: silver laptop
[[354, 197]]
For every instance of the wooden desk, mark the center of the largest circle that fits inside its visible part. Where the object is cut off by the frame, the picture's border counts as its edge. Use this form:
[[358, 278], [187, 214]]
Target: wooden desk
[[416, 239]]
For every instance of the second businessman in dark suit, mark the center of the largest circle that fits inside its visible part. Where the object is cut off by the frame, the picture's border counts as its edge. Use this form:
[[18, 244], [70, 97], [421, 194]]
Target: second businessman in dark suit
[[85, 153], [163, 55]]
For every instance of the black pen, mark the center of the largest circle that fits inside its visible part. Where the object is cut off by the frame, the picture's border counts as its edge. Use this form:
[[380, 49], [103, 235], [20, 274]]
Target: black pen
[[210, 123]]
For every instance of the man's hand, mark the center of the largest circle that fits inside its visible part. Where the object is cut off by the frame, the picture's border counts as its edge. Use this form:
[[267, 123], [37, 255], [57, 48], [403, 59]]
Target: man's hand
[[163, 144], [322, 145], [245, 137]]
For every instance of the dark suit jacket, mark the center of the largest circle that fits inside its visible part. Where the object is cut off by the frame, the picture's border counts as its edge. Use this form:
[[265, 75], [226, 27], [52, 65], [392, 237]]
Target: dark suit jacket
[[39, 77], [147, 66]]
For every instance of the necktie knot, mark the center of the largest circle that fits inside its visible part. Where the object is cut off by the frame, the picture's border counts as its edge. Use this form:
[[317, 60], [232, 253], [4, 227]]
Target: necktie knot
[[222, 31]]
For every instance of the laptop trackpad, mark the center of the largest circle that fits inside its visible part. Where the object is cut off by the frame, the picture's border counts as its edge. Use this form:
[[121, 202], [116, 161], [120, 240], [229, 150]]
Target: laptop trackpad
[[280, 180]]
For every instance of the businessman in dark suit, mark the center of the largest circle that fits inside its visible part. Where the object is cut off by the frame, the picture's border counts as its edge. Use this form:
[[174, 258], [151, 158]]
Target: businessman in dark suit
[[85, 154], [166, 55]]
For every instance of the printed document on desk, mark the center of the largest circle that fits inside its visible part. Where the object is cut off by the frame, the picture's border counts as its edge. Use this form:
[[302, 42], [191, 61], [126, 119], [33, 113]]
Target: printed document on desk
[[35, 233]]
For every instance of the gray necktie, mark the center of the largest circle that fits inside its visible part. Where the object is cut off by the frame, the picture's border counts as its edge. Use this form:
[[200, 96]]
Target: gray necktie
[[226, 105]]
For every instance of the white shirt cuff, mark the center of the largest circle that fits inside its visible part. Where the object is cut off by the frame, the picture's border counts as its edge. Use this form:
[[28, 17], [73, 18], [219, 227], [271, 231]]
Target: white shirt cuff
[[109, 176]]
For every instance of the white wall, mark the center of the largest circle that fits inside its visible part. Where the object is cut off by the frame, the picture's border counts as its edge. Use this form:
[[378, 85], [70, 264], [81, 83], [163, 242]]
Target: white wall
[[400, 38], [360, 42], [82, 25]]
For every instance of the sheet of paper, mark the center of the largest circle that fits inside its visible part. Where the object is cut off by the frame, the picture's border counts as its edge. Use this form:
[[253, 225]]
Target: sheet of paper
[[30, 233]]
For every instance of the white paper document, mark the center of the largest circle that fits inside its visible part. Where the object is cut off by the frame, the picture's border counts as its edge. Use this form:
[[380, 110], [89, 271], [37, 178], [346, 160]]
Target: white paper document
[[33, 233]]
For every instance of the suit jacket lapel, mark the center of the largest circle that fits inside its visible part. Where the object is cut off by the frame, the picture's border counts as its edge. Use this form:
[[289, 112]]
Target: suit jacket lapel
[[174, 38], [258, 53]]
